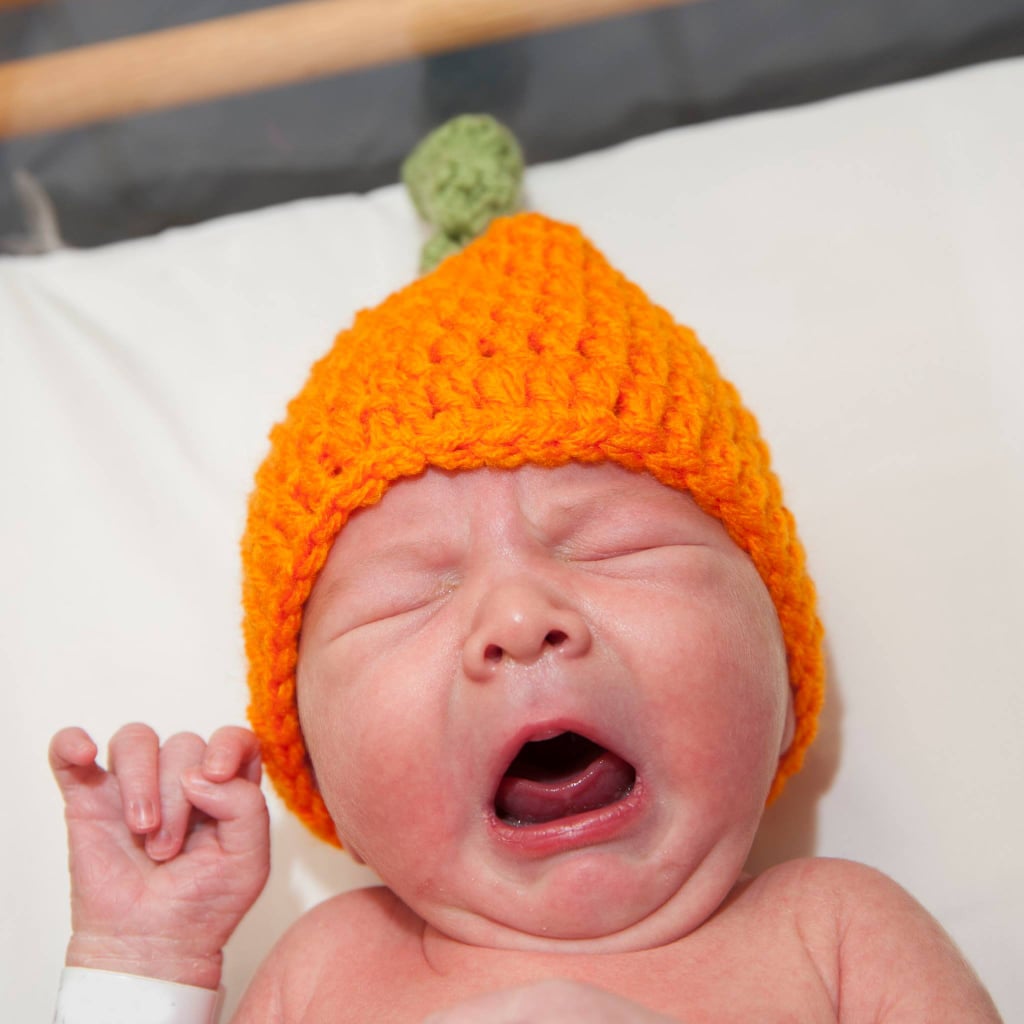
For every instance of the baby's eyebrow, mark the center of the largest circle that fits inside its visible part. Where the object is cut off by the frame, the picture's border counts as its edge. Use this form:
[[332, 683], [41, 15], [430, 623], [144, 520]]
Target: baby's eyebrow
[[574, 509]]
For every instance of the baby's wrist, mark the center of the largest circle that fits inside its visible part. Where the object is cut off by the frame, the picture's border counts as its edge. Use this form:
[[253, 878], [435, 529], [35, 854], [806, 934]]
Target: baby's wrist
[[167, 960]]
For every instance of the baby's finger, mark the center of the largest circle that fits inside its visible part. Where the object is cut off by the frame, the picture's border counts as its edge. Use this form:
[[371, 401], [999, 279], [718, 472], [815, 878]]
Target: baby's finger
[[232, 751], [134, 760], [238, 807], [72, 756], [182, 751]]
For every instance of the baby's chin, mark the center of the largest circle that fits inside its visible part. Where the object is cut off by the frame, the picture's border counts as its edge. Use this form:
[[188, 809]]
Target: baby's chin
[[591, 905]]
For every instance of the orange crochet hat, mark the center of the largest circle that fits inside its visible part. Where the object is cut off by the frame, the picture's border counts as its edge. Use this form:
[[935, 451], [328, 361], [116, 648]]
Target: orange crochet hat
[[526, 347]]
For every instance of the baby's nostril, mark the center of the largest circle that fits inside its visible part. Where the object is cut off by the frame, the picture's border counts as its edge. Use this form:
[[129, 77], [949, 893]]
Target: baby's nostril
[[494, 653]]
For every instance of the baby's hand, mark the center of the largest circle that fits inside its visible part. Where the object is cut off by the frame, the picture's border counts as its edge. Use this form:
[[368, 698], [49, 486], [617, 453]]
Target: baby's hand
[[555, 1001], [169, 847]]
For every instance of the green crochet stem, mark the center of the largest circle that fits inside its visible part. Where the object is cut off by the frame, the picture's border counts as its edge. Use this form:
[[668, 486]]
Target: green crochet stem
[[460, 177]]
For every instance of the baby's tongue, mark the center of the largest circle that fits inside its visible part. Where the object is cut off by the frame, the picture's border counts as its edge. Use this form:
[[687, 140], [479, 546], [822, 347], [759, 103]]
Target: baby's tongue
[[529, 796]]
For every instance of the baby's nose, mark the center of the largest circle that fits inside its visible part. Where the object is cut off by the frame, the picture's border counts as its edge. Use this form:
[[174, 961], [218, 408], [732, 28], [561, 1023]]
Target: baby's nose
[[520, 621]]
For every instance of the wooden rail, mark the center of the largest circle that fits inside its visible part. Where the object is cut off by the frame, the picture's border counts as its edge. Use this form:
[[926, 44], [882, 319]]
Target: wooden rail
[[293, 42]]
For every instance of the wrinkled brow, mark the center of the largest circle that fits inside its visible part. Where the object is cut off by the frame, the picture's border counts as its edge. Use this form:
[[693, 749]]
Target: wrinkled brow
[[578, 507]]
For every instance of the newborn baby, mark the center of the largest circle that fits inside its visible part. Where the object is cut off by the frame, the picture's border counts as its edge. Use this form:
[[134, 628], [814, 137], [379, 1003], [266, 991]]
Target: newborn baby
[[530, 633]]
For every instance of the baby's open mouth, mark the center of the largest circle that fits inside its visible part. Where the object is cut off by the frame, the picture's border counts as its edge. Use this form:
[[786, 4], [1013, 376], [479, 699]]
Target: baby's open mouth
[[559, 777]]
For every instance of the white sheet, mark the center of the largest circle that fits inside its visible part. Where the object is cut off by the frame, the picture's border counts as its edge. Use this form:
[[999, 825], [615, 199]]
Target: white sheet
[[855, 267]]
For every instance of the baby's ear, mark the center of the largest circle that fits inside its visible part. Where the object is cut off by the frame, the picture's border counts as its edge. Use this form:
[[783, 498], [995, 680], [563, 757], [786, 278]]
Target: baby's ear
[[790, 728]]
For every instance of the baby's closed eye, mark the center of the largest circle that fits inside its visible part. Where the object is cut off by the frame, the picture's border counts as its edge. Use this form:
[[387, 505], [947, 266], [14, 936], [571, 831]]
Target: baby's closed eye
[[390, 595], [627, 540]]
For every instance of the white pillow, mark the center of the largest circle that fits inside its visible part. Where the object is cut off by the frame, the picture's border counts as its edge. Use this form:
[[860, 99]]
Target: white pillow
[[855, 268]]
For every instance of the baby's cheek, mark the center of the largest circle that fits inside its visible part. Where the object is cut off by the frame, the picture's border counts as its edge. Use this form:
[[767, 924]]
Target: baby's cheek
[[336, 781], [328, 747], [384, 795], [750, 638]]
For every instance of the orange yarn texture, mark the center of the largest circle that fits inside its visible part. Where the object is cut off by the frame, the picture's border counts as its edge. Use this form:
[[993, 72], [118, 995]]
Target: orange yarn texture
[[526, 347]]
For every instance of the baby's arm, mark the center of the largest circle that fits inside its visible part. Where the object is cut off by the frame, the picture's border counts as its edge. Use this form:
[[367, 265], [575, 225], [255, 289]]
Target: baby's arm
[[896, 964], [168, 848]]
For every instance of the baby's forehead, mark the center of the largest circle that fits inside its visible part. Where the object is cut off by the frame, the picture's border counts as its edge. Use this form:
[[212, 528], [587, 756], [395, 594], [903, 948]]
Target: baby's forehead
[[428, 518], [438, 499]]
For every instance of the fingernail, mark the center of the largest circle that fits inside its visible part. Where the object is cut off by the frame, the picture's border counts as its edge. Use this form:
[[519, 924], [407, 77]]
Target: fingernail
[[160, 843], [142, 813], [216, 763]]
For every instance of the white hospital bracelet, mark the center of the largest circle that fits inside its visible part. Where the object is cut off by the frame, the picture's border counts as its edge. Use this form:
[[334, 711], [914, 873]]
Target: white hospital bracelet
[[90, 996]]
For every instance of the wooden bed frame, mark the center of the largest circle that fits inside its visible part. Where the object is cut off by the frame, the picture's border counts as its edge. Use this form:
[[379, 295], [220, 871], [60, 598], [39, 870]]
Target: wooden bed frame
[[292, 42]]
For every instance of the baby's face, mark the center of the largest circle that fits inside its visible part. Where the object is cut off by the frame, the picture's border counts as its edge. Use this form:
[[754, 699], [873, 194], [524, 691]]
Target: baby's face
[[545, 705]]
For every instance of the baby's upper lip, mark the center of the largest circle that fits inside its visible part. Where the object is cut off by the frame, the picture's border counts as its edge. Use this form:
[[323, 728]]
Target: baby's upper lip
[[534, 732]]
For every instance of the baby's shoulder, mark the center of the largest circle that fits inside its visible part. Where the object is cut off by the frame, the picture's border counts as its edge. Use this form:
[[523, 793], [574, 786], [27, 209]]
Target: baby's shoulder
[[851, 918], [829, 885], [822, 874], [337, 947], [825, 891], [335, 950], [352, 927], [360, 918]]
